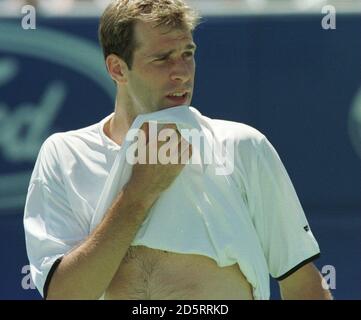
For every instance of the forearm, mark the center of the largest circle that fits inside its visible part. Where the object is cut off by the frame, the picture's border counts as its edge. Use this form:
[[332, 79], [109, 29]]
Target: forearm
[[305, 284], [87, 271], [310, 293]]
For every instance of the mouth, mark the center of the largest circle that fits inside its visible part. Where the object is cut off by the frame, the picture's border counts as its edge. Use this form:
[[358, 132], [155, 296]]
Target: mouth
[[178, 98]]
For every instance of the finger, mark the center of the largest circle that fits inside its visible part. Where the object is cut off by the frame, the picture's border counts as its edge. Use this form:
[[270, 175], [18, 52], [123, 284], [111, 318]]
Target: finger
[[145, 128], [170, 135], [185, 152]]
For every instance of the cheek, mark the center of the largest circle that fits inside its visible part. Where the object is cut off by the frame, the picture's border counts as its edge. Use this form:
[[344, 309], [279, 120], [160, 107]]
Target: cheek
[[141, 85], [159, 81], [155, 77], [193, 67]]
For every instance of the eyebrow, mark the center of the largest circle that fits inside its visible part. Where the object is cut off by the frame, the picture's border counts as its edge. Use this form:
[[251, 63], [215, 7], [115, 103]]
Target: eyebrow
[[190, 46]]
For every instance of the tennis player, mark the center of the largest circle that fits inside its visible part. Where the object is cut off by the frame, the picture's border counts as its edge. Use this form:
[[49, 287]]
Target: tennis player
[[163, 231]]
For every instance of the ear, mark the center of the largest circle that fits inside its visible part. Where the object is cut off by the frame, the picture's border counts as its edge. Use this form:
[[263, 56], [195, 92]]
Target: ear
[[117, 68]]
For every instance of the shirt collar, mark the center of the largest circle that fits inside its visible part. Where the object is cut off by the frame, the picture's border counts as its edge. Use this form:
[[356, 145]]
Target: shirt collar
[[109, 143]]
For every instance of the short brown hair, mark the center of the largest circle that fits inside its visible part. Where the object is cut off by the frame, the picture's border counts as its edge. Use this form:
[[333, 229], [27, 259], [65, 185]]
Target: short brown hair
[[116, 28]]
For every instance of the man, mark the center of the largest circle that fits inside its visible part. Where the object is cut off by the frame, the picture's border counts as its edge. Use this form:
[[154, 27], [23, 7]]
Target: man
[[169, 232]]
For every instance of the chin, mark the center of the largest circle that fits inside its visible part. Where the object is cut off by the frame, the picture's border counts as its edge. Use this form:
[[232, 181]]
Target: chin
[[174, 105]]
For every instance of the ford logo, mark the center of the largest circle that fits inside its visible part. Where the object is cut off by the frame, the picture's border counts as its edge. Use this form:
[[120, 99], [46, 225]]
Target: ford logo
[[49, 81]]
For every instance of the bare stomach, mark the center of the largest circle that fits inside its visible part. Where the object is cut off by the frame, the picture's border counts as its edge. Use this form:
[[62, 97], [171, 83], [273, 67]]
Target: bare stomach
[[147, 273]]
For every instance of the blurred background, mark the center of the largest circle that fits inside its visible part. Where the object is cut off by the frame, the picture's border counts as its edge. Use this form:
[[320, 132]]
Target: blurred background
[[292, 69]]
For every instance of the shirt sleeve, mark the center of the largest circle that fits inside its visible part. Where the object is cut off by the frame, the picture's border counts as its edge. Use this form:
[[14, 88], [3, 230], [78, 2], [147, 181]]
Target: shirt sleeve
[[278, 217], [51, 228]]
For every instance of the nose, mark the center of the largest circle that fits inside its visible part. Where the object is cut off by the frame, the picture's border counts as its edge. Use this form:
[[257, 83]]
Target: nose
[[181, 72]]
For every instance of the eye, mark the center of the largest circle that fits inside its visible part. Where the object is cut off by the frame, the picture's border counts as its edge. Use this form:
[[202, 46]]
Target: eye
[[188, 54], [161, 58]]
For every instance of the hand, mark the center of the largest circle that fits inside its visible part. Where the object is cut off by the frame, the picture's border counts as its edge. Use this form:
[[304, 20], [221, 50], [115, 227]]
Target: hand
[[148, 180]]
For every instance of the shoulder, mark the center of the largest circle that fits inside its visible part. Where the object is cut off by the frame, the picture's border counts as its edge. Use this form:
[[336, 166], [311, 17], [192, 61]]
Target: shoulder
[[61, 147], [239, 132], [241, 135], [88, 134], [74, 141], [246, 145]]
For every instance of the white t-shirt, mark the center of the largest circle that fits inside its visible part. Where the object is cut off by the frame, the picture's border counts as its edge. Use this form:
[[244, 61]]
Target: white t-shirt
[[251, 217]]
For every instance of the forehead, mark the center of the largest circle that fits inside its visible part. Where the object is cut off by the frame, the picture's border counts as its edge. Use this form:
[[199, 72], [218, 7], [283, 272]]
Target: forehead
[[150, 38]]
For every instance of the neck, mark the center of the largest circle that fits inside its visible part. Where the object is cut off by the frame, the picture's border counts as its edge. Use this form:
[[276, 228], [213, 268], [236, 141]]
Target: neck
[[123, 117]]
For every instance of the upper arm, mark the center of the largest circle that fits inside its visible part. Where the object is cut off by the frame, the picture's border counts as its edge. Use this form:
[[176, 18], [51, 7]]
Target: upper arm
[[50, 225], [281, 225]]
